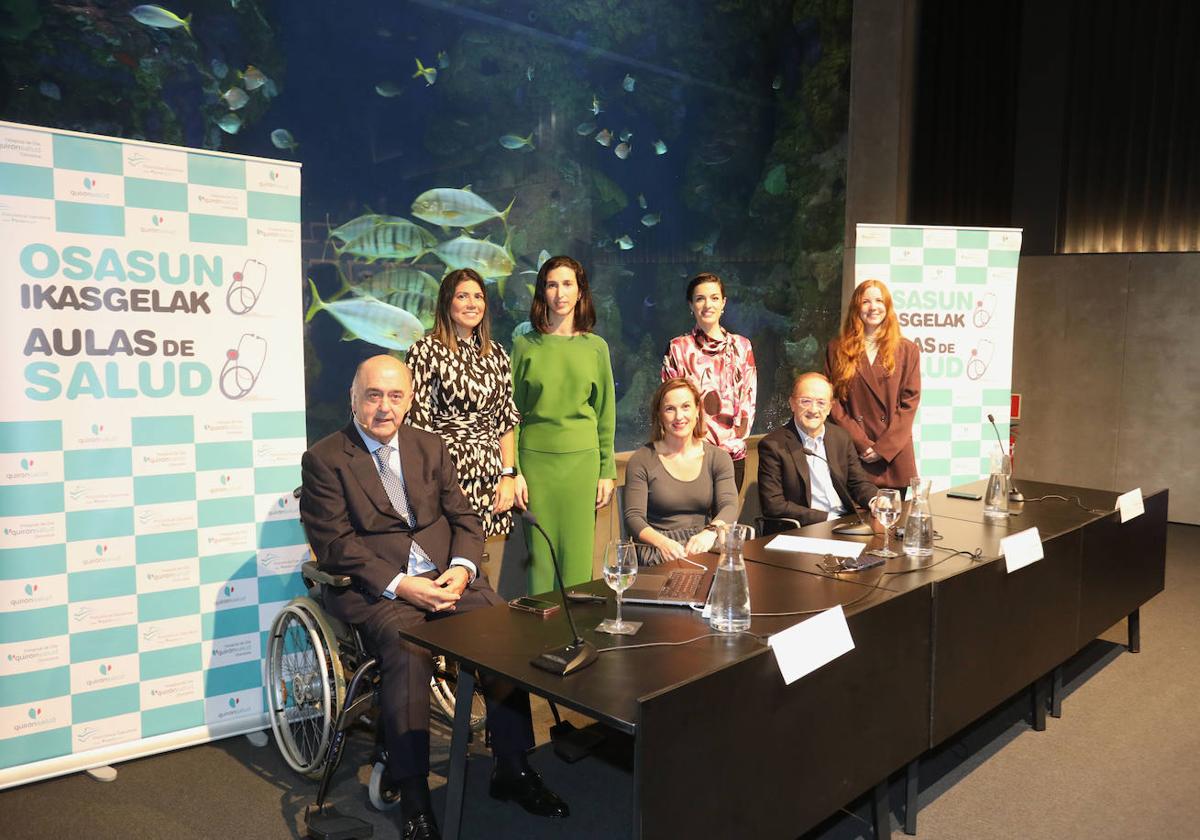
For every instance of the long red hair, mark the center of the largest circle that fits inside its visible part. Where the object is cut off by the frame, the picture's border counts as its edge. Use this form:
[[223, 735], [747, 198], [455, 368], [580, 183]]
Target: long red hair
[[852, 338]]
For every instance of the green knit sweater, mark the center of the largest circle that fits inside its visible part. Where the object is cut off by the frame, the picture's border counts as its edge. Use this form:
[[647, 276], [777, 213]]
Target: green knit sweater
[[563, 387]]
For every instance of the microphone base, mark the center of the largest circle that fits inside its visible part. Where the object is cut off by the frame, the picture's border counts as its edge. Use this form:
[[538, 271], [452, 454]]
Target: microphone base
[[854, 529], [1016, 496], [566, 659]]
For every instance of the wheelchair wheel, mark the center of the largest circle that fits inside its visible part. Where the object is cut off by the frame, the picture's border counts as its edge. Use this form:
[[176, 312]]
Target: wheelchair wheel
[[442, 685], [305, 685], [382, 797]]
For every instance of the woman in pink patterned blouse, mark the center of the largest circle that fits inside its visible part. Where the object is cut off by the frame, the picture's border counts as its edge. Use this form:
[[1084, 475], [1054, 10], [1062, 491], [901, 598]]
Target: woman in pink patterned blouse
[[721, 366]]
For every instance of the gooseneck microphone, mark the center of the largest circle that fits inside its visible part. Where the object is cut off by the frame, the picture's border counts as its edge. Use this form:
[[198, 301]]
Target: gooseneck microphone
[[579, 653], [1013, 493], [863, 528]]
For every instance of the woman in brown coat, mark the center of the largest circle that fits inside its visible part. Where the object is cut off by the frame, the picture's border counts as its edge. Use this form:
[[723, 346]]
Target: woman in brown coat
[[876, 376]]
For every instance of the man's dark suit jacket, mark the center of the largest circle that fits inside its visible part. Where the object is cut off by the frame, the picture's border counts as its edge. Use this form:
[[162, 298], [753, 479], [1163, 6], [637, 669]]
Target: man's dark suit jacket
[[353, 527], [784, 485]]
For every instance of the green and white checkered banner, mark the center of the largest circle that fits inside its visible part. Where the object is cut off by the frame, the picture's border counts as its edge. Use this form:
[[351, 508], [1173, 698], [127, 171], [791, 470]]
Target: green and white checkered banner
[[150, 438], [955, 292]]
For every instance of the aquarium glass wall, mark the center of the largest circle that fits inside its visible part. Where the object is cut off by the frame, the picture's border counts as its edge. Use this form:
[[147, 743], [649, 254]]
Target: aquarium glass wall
[[650, 139]]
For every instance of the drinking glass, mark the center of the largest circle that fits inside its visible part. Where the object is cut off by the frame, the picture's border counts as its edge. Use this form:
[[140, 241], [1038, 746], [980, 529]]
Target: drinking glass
[[886, 506], [620, 570]]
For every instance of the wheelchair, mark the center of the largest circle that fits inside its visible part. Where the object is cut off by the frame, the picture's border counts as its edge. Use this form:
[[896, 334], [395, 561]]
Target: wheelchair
[[312, 703]]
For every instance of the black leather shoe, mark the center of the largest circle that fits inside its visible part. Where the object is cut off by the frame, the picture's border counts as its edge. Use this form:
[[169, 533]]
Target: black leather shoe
[[420, 827], [529, 791]]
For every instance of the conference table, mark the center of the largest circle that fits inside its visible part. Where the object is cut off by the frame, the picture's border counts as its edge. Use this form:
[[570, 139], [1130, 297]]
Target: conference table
[[938, 643]]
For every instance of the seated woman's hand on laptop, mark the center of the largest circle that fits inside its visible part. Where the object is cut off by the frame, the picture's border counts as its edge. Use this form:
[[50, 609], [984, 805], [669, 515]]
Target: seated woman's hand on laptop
[[671, 550], [701, 542]]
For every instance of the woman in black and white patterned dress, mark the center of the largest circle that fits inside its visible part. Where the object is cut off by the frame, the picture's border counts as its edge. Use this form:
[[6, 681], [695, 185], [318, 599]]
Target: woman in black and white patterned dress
[[462, 390]]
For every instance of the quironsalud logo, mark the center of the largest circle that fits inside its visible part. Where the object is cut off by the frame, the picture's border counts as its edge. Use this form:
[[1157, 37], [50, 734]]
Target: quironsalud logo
[[101, 549], [105, 670], [89, 183], [34, 712], [26, 463], [97, 428], [234, 701], [156, 220], [274, 174], [30, 588], [228, 589]]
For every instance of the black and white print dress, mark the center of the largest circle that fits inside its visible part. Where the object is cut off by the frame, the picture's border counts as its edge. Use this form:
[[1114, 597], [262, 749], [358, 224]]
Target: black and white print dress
[[467, 399]]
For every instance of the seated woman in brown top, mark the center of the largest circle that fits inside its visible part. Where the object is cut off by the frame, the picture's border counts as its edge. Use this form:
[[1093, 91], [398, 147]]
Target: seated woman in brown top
[[678, 488]]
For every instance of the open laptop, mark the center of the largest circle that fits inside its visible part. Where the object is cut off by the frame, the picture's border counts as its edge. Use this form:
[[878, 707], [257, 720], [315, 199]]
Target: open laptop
[[670, 588]]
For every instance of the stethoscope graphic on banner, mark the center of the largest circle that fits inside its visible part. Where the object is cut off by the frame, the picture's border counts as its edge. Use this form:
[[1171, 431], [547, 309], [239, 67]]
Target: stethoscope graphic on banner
[[981, 357], [247, 285], [983, 310], [242, 366]]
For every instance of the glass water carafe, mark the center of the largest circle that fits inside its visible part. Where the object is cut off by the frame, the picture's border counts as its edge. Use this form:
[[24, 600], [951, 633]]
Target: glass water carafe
[[730, 601], [918, 526], [995, 498]]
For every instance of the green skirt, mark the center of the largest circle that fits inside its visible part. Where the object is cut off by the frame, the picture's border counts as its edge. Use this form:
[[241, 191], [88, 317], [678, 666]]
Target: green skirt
[[562, 495]]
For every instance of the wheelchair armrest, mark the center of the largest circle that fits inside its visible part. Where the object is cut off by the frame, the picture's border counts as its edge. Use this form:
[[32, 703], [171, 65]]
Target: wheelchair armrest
[[774, 524], [311, 571]]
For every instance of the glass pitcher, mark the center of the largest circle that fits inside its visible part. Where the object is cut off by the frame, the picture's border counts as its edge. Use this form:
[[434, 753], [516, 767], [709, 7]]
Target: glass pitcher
[[995, 498], [730, 601], [918, 526]]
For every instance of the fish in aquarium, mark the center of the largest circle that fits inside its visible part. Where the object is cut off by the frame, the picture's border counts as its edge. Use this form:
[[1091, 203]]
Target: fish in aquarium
[[513, 142], [230, 123], [523, 328], [252, 78], [159, 18], [622, 150], [529, 73], [641, 201], [625, 242], [449, 207], [361, 225], [49, 90], [626, 136], [429, 74], [281, 138], [777, 83], [219, 68], [604, 137], [707, 244], [369, 320], [443, 60], [660, 148], [585, 128], [400, 240], [628, 83], [409, 288], [492, 261], [595, 109], [388, 89], [235, 98], [651, 219], [269, 89]]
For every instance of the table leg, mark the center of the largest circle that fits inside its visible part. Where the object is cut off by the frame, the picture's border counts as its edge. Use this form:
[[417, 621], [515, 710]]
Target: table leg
[[911, 788], [456, 781], [879, 805], [1056, 692], [1038, 690], [1135, 631]]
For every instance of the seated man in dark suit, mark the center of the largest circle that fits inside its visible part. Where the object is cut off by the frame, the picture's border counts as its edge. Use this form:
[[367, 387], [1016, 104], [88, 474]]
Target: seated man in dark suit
[[381, 504], [809, 470]]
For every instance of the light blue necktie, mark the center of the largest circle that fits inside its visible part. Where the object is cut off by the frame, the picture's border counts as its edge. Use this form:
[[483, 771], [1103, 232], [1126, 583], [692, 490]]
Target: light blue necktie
[[418, 560]]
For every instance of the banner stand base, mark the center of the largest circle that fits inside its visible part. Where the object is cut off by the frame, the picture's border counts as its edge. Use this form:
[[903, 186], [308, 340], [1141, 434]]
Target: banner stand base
[[103, 774], [257, 739]]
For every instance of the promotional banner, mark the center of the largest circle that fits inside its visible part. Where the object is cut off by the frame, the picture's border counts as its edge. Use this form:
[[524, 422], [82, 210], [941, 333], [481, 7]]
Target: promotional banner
[[150, 440], [954, 291]]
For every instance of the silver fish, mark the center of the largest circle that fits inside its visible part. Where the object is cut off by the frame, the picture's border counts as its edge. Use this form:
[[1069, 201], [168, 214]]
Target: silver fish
[[219, 68], [628, 82], [399, 240], [626, 135], [370, 320], [626, 242], [50, 90], [585, 128], [235, 98], [252, 78], [514, 142], [160, 18], [388, 89], [641, 201], [230, 123], [595, 109], [604, 137], [489, 259], [443, 60], [429, 74], [660, 148], [651, 219], [622, 150], [529, 73], [281, 138], [456, 208]]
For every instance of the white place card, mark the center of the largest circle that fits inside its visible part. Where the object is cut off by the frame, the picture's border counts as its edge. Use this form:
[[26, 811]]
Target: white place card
[[1130, 504], [814, 545], [1021, 549], [805, 647]]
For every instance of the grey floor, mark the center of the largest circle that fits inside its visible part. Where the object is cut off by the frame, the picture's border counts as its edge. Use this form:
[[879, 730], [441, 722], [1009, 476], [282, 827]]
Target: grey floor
[[1122, 762]]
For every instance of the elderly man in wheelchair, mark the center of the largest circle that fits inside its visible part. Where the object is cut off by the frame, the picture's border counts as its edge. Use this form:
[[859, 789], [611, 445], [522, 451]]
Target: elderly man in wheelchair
[[381, 506]]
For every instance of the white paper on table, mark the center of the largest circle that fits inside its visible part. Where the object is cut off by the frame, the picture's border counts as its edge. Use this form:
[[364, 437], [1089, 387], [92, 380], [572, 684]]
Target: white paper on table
[[1130, 504], [805, 647], [1021, 549], [815, 545]]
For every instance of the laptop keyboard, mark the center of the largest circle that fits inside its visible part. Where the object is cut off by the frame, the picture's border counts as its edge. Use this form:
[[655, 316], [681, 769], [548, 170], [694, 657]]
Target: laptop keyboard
[[682, 584]]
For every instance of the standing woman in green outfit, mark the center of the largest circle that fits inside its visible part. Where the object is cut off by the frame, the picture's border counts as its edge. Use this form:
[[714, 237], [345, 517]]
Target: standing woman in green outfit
[[563, 388]]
